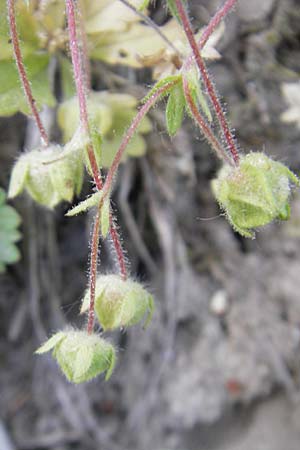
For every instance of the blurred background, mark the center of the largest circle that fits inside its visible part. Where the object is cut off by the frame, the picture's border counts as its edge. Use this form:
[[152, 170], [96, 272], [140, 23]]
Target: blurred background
[[219, 366]]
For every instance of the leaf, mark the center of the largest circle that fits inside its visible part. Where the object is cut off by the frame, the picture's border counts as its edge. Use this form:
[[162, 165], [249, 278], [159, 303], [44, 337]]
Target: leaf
[[27, 31], [175, 110], [105, 217], [86, 204], [9, 218], [197, 93], [51, 343], [12, 97], [172, 79]]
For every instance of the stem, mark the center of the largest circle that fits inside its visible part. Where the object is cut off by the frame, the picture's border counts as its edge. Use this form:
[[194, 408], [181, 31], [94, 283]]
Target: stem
[[93, 271], [80, 88], [130, 133], [215, 21], [81, 92], [118, 247], [206, 130], [208, 84], [22, 71]]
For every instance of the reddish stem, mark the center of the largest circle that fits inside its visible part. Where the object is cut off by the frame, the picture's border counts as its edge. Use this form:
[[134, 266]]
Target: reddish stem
[[215, 21], [81, 92], [118, 247], [130, 133], [203, 124], [93, 272], [206, 79], [22, 71]]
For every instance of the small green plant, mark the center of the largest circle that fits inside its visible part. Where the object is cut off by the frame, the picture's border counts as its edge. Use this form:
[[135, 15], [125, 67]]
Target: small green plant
[[9, 233], [253, 190]]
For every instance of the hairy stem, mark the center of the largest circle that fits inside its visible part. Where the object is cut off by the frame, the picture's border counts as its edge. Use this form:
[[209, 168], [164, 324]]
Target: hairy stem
[[215, 21], [22, 71], [200, 120], [207, 82], [130, 133], [81, 88], [93, 271], [81, 92]]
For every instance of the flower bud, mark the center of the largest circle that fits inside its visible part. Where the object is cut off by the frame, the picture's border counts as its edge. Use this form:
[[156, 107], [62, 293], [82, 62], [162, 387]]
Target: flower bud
[[48, 177], [255, 192], [81, 356], [119, 303]]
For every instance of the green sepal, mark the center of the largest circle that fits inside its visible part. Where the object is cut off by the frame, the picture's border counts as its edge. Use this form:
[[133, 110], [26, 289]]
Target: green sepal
[[255, 192], [196, 89], [172, 80], [119, 303], [175, 109], [18, 177], [50, 343], [86, 204]]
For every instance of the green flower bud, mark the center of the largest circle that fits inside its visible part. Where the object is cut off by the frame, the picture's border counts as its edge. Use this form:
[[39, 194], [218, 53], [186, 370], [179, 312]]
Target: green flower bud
[[81, 356], [119, 303], [255, 192], [47, 176]]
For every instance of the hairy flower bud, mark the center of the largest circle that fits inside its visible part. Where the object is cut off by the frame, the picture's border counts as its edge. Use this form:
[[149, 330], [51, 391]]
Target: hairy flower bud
[[255, 192], [119, 303], [48, 177], [81, 356]]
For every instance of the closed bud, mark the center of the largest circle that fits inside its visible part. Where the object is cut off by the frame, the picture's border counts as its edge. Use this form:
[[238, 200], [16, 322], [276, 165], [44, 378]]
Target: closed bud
[[255, 192], [47, 175], [119, 303], [81, 356]]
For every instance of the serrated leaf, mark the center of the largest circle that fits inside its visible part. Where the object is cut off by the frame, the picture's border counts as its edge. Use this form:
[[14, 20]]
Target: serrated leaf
[[9, 218], [9, 253], [175, 110], [105, 217], [86, 204], [51, 343]]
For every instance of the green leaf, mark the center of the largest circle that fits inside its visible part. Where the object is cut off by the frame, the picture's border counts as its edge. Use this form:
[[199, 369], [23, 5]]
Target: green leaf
[[51, 343], [175, 110], [172, 80], [105, 216], [9, 218], [12, 97], [86, 204], [198, 95]]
